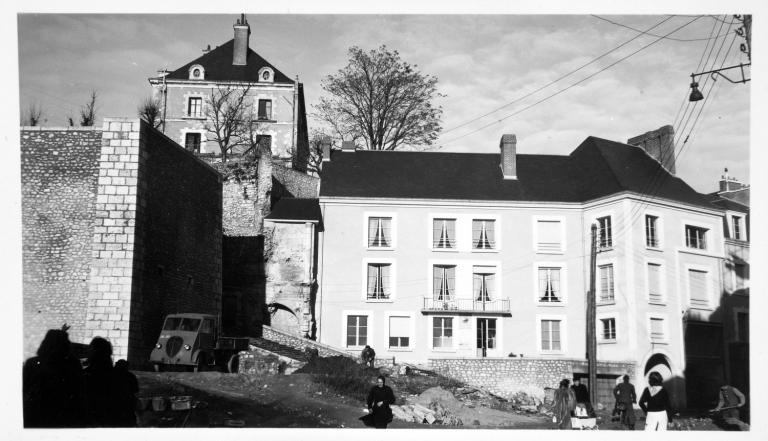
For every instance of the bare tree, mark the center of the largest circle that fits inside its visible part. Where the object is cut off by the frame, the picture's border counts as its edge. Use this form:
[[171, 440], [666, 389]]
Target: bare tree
[[71, 121], [88, 111], [229, 119], [149, 110], [382, 100], [33, 115]]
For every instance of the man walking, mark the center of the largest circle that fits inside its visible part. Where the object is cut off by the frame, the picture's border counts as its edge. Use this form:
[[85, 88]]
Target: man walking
[[625, 396]]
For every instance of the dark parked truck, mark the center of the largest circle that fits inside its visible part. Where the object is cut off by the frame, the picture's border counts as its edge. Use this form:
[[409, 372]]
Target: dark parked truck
[[194, 341]]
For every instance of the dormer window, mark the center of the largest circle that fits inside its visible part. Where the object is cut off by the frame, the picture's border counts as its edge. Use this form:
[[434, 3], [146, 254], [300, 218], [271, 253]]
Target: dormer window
[[196, 72], [266, 75]]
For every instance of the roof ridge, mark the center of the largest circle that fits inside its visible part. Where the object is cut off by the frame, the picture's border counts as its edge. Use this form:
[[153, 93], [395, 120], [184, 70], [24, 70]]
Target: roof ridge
[[605, 160]]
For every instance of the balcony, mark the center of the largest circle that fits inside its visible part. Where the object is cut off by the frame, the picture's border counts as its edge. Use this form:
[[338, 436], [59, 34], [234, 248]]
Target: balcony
[[466, 306]]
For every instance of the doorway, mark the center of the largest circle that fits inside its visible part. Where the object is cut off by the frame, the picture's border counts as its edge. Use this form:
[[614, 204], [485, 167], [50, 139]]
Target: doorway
[[486, 336]]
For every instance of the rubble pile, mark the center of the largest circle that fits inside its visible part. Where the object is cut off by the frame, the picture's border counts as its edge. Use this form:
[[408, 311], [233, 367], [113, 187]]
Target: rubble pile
[[434, 406]]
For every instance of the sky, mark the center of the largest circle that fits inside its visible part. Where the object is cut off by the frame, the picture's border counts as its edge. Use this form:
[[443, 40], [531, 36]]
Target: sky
[[484, 64]]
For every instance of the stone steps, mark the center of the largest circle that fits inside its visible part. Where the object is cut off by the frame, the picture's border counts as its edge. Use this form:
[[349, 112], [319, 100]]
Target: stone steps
[[279, 349]]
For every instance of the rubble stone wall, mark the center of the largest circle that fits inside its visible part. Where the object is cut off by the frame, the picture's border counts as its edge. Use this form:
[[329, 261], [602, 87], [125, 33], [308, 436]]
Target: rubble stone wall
[[291, 183], [59, 170], [508, 376]]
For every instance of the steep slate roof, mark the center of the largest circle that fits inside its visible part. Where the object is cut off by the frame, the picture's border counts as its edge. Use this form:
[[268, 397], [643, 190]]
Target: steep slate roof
[[727, 204], [295, 210], [218, 66], [596, 168]]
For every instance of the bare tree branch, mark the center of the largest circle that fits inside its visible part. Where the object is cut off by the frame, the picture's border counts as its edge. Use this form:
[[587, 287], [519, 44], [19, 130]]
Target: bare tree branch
[[33, 115], [149, 110], [88, 111], [382, 100]]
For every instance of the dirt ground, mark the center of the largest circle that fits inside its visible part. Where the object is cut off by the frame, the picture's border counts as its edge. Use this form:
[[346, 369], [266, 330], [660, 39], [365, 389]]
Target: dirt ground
[[296, 401]]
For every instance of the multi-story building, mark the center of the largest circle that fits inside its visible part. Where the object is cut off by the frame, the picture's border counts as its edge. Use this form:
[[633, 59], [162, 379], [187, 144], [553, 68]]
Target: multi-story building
[[449, 257], [275, 101]]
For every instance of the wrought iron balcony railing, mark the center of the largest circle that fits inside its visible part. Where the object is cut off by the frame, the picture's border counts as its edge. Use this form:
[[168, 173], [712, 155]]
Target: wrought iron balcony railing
[[466, 305]]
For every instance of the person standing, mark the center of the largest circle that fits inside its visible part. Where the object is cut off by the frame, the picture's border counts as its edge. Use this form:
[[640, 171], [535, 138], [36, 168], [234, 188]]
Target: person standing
[[564, 404], [625, 396], [730, 400], [127, 385], [582, 396], [380, 397], [655, 403], [52, 385]]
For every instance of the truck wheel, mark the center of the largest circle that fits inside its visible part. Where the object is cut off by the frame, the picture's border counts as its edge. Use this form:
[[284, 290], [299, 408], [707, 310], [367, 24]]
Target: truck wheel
[[200, 364], [233, 365]]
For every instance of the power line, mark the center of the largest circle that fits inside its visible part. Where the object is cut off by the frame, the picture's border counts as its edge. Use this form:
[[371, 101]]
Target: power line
[[569, 87], [556, 80], [654, 35]]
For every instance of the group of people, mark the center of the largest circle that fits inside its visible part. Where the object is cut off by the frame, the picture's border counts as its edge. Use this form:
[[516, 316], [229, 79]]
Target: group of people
[[58, 392]]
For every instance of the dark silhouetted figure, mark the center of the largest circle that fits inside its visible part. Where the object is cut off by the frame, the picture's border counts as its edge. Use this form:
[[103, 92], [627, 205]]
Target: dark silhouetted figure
[[380, 397], [103, 393], [624, 393], [564, 405], [53, 385], [128, 386], [368, 355]]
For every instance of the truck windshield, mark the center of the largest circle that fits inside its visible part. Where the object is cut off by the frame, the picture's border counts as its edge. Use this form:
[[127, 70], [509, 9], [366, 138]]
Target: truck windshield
[[181, 324]]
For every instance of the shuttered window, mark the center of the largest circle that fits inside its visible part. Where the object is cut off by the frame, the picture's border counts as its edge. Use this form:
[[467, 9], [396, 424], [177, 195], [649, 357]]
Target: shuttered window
[[549, 236], [657, 329], [399, 332], [654, 283], [697, 288], [550, 335]]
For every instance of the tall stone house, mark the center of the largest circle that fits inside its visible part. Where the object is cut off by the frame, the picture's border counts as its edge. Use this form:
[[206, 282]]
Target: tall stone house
[[479, 264], [276, 102]]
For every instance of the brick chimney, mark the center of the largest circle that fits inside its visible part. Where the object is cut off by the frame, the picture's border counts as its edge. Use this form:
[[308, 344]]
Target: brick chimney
[[508, 147], [325, 146], [660, 144], [729, 183], [348, 146], [242, 32]]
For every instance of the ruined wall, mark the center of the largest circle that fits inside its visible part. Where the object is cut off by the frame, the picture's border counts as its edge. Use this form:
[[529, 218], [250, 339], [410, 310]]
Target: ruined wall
[[59, 168], [291, 183], [507, 376]]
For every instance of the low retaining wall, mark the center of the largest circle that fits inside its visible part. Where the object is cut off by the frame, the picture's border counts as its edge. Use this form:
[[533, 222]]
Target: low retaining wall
[[507, 376]]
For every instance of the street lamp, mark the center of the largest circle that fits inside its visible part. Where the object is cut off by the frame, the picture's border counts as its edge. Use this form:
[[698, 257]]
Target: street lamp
[[696, 94]]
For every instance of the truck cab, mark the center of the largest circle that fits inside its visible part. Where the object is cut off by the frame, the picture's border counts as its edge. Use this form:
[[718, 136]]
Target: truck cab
[[187, 340]]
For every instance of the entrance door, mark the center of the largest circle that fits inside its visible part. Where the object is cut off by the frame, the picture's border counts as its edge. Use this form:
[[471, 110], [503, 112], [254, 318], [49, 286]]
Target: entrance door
[[486, 336]]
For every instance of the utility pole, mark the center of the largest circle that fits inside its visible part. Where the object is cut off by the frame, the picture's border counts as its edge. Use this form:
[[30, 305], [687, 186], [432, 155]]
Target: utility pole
[[591, 325]]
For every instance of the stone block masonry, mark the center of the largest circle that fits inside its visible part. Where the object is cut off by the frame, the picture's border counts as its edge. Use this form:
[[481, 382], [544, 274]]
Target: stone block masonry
[[59, 168], [507, 376], [121, 226]]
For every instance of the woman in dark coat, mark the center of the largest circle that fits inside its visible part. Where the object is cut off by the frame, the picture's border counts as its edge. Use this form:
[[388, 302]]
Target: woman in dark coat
[[564, 405], [53, 385], [655, 403], [102, 393], [379, 399]]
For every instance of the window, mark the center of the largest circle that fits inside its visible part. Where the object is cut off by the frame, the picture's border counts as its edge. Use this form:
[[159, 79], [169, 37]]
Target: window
[[357, 330], [609, 328], [380, 232], [483, 234], [549, 236], [444, 282], [657, 329], [378, 281], [605, 236], [399, 331], [736, 220], [606, 283], [651, 235], [265, 109], [742, 326], [695, 237], [483, 281], [207, 327], [697, 288], [192, 142], [549, 285], [654, 283], [442, 332], [550, 335], [195, 107], [444, 233]]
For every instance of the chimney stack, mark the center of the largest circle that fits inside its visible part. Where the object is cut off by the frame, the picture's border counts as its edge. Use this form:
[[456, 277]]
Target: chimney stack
[[508, 146], [325, 145], [348, 146], [729, 183], [242, 32], [660, 144]]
